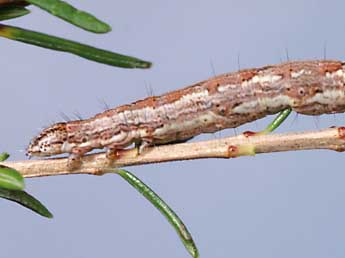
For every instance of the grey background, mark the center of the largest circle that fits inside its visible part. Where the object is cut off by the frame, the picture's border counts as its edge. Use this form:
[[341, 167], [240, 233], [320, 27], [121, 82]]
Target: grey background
[[274, 205]]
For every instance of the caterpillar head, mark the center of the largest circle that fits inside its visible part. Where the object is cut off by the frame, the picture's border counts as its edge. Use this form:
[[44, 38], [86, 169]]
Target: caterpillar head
[[51, 141]]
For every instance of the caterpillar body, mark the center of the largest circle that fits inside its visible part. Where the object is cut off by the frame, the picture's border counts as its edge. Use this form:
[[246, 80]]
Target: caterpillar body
[[225, 101]]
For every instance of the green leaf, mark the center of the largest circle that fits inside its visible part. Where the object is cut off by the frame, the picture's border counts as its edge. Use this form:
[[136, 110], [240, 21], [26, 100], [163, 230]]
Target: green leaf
[[277, 121], [11, 179], [4, 156], [163, 207], [60, 44], [25, 200], [10, 12], [72, 15]]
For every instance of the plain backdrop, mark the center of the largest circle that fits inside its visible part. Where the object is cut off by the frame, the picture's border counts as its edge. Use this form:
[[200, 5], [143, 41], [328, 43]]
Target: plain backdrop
[[274, 205]]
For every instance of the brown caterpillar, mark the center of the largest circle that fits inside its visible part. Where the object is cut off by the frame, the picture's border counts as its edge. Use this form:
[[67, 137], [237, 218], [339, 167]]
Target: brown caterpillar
[[224, 101]]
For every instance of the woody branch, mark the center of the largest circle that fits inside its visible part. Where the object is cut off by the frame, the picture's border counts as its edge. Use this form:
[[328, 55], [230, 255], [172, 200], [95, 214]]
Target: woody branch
[[230, 147]]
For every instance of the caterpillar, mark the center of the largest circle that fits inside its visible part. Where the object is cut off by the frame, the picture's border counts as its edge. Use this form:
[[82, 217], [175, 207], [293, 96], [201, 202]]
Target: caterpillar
[[225, 101]]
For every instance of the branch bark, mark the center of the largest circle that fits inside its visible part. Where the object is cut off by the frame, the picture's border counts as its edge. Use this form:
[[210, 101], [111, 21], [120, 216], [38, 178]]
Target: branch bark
[[246, 144]]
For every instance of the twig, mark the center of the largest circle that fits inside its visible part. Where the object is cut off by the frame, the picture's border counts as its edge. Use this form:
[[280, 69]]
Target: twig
[[243, 145]]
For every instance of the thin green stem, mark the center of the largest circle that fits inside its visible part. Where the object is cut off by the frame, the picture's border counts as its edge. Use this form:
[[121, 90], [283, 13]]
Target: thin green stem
[[170, 215]]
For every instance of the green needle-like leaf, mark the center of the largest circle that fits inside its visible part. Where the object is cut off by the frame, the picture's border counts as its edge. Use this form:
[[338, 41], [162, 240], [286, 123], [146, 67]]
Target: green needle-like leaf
[[11, 179], [72, 15], [277, 121], [60, 44], [171, 216], [10, 12], [26, 200], [4, 156]]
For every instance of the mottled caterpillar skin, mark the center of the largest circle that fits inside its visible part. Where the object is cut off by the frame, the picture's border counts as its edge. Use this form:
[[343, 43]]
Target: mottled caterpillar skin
[[225, 101]]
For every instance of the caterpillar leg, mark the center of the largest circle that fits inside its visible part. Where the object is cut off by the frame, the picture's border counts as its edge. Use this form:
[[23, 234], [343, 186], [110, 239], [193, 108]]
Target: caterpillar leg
[[74, 160], [142, 146], [177, 141], [280, 118], [112, 153]]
